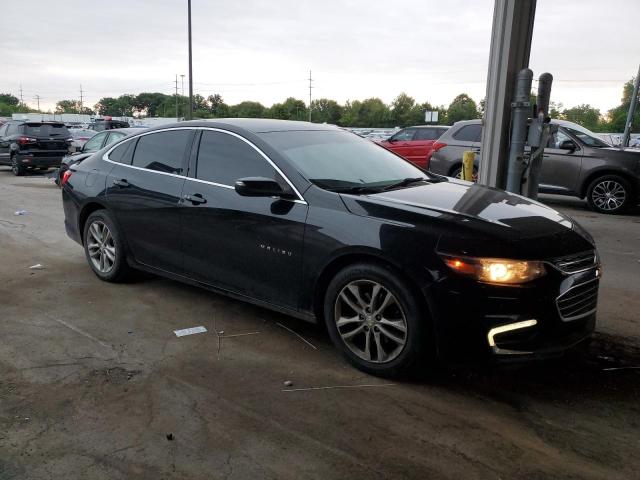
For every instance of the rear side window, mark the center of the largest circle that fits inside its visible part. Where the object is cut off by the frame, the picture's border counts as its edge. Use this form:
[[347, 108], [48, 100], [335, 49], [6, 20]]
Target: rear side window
[[427, 133], [469, 133], [46, 130], [162, 151], [122, 153], [223, 158]]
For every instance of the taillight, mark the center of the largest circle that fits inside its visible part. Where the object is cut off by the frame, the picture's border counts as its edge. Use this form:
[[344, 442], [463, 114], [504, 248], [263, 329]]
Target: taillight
[[26, 140], [438, 145], [65, 177]]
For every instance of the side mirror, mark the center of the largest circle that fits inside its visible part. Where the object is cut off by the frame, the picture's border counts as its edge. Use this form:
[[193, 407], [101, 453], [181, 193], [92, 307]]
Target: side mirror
[[391, 140], [568, 145], [260, 187]]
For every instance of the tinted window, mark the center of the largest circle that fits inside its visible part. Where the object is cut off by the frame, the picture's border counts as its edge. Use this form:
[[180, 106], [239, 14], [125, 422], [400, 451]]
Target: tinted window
[[46, 130], [404, 135], [223, 158], [469, 133], [163, 151], [428, 133], [122, 153], [94, 143]]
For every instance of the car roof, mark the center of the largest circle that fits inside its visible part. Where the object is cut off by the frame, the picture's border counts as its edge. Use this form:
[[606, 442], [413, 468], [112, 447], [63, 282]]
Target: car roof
[[430, 126], [254, 125]]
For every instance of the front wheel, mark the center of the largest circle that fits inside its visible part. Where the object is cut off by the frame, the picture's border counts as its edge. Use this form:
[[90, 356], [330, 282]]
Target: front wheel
[[609, 194], [375, 320], [103, 247]]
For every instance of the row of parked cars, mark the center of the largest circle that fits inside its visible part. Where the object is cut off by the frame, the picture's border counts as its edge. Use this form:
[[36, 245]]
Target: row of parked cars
[[576, 161]]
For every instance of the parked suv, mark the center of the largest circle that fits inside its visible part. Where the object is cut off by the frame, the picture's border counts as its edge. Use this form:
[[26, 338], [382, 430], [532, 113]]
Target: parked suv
[[107, 124], [415, 143], [576, 163], [27, 145]]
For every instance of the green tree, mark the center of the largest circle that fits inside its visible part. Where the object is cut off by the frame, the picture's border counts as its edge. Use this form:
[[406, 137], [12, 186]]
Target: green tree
[[290, 109], [218, 108], [618, 115], [463, 107], [585, 115], [555, 110], [403, 111], [116, 107], [147, 104], [248, 109], [350, 113], [68, 106], [9, 99], [324, 110], [373, 113]]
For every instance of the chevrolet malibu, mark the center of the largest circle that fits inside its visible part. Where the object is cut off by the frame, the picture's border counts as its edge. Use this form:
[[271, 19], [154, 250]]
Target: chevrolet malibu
[[405, 268]]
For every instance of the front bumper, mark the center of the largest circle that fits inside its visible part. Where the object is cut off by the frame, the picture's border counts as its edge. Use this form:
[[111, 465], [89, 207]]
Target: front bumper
[[539, 320]]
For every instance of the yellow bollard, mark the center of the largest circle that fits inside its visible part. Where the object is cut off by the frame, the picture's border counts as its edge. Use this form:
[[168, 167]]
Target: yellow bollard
[[467, 165]]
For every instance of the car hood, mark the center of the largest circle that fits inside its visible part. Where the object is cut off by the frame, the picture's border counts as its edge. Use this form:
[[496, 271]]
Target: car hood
[[469, 214]]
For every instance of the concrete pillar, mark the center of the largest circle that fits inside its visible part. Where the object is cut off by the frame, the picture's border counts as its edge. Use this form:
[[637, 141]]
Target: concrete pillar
[[510, 49]]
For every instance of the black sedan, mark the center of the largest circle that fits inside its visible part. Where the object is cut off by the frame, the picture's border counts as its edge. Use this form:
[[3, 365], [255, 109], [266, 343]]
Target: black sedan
[[404, 267]]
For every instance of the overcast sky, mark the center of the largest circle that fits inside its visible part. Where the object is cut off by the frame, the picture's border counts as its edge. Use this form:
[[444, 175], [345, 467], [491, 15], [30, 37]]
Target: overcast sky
[[263, 50]]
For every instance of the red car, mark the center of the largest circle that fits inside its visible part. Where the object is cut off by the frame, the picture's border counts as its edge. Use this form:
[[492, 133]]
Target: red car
[[415, 143]]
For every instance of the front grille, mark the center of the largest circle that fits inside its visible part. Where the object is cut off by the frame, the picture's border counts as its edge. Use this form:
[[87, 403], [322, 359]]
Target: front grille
[[577, 262], [579, 301]]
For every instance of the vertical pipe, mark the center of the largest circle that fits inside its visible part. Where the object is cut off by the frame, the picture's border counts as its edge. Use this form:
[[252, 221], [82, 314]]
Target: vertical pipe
[[190, 65], [520, 108], [632, 109]]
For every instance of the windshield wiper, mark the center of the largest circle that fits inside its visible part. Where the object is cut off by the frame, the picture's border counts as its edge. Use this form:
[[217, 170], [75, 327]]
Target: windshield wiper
[[355, 189], [405, 182]]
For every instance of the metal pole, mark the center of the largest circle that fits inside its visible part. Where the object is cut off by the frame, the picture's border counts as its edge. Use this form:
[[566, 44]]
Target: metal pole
[[520, 108], [190, 65], [177, 97], [509, 53], [632, 110], [310, 96]]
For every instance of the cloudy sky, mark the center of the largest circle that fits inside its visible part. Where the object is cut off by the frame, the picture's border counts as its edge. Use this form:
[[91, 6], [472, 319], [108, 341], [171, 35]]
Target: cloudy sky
[[259, 50]]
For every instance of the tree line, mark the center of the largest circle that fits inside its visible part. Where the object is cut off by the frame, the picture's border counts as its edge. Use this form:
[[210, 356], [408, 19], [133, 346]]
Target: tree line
[[372, 112]]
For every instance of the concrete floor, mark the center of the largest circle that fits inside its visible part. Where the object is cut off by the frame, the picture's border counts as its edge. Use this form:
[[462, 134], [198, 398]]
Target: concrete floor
[[95, 385]]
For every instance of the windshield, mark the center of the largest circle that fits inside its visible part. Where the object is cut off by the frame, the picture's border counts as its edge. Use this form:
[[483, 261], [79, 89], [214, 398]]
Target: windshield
[[338, 159], [46, 130], [587, 136]]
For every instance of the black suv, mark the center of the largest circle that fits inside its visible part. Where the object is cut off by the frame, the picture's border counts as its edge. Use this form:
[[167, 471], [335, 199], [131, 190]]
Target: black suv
[[27, 145], [99, 125], [576, 162]]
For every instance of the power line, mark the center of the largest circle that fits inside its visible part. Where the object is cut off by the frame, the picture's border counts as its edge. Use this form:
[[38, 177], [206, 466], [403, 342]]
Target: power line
[[38, 97], [81, 98]]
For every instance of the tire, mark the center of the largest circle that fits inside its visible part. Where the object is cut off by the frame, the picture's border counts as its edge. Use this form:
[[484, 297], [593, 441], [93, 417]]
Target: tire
[[610, 194], [104, 249], [17, 169], [391, 352], [457, 173]]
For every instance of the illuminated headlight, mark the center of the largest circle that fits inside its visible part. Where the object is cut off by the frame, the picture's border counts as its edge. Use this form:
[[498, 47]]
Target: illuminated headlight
[[496, 270]]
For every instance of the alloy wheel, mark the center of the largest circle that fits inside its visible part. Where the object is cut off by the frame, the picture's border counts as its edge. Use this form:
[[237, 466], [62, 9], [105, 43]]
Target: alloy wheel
[[370, 321], [101, 247], [609, 195]]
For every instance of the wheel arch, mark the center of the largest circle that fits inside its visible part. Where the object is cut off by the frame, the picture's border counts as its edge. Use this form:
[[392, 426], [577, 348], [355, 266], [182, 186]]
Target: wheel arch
[[88, 209], [603, 173]]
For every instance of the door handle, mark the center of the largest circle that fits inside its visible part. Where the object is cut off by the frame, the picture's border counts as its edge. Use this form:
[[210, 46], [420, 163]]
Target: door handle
[[195, 199], [121, 183]]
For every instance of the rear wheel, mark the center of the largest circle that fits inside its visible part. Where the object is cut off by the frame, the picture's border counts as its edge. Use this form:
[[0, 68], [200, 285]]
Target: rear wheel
[[375, 320], [609, 194], [103, 247], [17, 169], [457, 173]]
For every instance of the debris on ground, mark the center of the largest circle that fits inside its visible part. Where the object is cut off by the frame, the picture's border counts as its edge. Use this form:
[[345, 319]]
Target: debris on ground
[[170, 436], [298, 335], [189, 331], [288, 383], [20, 212], [331, 387], [37, 266]]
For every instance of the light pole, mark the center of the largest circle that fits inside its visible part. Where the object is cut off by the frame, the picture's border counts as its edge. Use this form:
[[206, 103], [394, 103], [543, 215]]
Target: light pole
[[190, 64]]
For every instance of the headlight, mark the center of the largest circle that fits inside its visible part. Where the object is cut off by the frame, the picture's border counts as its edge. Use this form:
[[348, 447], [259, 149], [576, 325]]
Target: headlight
[[496, 270]]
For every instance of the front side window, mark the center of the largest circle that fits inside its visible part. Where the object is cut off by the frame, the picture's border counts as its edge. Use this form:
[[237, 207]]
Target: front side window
[[224, 158], [587, 137], [336, 159], [404, 135], [162, 151], [94, 143]]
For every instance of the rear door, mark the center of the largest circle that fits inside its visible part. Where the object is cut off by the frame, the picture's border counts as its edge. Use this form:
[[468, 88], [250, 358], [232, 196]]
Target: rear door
[[560, 166], [247, 245], [4, 145], [144, 195]]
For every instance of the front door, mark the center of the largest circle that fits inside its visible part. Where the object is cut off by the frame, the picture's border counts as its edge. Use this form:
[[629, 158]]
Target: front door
[[247, 245], [145, 196], [560, 166], [401, 142]]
